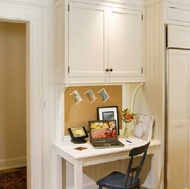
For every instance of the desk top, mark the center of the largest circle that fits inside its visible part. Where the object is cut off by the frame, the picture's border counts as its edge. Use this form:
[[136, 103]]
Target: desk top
[[67, 148]]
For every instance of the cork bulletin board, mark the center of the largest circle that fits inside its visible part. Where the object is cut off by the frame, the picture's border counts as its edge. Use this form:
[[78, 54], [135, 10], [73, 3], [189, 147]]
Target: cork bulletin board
[[79, 112]]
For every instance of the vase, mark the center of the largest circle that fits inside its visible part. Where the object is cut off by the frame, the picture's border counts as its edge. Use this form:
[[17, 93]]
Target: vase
[[128, 129]]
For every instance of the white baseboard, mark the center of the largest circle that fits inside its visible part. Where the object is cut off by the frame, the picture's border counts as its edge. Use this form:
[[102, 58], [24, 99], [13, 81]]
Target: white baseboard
[[87, 186], [12, 163]]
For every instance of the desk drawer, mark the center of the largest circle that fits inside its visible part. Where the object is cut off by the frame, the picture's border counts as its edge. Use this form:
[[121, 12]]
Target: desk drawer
[[105, 158]]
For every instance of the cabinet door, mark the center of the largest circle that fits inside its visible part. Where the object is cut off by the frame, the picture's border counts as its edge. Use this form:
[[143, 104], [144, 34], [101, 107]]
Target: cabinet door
[[178, 37], [86, 40], [178, 136], [125, 42]]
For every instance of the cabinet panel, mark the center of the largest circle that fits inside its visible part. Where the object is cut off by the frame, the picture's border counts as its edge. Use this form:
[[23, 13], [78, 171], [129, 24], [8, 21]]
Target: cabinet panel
[[86, 40], [178, 119], [178, 14], [125, 42], [178, 36]]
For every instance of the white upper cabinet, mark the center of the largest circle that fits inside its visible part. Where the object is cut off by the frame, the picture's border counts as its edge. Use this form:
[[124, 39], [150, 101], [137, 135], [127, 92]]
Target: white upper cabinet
[[103, 43]]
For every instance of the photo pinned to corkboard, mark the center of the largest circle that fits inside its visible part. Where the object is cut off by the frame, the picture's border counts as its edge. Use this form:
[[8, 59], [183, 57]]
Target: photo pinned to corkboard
[[76, 97], [91, 96], [103, 94]]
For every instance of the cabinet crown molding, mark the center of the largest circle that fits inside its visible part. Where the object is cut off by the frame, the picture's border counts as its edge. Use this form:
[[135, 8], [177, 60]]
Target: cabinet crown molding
[[176, 2], [121, 2]]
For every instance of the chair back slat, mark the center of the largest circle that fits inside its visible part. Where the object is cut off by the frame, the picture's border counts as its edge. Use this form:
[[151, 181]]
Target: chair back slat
[[133, 171]]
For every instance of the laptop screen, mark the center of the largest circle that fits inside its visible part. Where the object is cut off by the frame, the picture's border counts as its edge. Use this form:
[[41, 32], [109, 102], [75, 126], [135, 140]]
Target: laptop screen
[[102, 130]]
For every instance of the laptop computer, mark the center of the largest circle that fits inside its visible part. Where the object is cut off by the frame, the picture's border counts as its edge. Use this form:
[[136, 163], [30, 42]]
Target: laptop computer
[[103, 134]]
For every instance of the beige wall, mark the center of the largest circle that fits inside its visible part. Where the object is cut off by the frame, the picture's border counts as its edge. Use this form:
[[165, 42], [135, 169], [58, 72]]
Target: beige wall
[[12, 94]]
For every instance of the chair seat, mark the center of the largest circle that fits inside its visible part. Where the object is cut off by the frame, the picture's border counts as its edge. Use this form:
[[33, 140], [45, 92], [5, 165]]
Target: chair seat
[[116, 180]]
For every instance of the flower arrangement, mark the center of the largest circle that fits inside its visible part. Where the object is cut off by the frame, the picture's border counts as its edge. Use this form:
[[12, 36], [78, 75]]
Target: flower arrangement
[[127, 115], [129, 120]]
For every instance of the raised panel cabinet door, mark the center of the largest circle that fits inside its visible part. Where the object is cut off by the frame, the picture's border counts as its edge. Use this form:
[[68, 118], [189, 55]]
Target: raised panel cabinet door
[[125, 42], [178, 137], [86, 40]]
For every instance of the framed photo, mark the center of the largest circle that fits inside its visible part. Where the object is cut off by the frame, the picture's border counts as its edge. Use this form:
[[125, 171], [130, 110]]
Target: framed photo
[[109, 113], [78, 134]]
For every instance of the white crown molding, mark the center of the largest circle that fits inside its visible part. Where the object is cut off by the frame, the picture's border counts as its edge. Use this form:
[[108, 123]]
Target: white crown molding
[[117, 3], [20, 12], [27, 2], [178, 2]]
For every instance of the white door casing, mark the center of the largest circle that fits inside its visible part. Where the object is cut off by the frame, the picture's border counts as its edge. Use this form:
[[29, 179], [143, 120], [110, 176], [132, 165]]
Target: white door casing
[[37, 88]]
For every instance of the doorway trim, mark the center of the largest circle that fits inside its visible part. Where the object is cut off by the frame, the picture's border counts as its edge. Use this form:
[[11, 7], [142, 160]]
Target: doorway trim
[[37, 110]]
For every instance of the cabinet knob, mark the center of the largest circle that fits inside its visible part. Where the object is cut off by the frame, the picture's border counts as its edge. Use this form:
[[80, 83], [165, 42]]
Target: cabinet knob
[[109, 70]]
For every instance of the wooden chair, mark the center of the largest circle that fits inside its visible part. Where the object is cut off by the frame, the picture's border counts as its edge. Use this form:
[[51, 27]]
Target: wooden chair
[[130, 180]]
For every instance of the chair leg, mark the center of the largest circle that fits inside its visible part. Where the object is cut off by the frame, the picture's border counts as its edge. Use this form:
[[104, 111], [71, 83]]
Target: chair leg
[[100, 187]]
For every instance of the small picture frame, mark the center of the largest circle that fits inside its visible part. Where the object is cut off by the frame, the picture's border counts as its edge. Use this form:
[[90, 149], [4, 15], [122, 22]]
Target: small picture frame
[[109, 113], [78, 134]]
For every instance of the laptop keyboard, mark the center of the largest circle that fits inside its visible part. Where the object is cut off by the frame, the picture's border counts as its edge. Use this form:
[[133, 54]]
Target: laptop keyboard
[[106, 144]]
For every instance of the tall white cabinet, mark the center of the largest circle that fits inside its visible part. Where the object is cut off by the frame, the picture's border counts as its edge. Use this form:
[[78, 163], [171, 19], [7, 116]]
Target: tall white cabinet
[[100, 42], [168, 85], [178, 107], [178, 111]]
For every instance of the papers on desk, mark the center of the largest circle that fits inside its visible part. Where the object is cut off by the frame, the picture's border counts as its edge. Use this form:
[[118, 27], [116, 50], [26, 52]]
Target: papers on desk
[[144, 127]]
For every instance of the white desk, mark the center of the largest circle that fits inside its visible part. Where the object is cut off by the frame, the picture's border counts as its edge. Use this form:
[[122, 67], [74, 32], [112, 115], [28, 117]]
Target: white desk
[[91, 156]]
